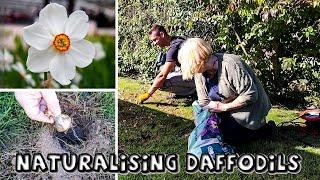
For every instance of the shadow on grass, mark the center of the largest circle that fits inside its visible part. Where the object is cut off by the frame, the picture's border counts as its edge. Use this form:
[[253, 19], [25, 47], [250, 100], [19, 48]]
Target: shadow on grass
[[143, 130], [301, 135], [172, 104], [163, 104]]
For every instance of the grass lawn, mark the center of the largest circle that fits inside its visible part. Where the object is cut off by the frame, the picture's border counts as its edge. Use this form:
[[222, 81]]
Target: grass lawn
[[163, 126]]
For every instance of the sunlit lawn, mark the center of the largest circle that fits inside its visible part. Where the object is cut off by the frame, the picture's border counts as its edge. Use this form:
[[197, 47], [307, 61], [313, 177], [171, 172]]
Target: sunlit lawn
[[163, 126]]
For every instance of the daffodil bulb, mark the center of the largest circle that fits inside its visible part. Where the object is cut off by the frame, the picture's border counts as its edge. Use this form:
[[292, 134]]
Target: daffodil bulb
[[57, 43], [62, 122]]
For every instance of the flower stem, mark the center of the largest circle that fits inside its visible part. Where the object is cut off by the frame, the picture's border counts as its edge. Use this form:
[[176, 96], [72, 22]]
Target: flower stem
[[45, 76], [47, 80]]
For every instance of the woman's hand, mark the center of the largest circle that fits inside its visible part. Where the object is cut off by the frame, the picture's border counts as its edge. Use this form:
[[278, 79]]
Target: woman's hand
[[216, 106], [35, 103]]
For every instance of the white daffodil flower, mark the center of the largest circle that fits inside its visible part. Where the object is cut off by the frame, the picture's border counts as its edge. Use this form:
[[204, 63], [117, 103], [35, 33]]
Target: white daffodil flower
[[99, 51], [57, 43], [6, 59]]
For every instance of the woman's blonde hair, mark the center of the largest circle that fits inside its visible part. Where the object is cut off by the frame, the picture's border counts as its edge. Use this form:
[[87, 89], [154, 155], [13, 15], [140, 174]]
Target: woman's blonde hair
[[193, 55]]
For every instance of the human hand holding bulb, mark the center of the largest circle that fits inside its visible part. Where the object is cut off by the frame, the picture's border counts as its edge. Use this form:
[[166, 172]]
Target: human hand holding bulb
[[35, 103]]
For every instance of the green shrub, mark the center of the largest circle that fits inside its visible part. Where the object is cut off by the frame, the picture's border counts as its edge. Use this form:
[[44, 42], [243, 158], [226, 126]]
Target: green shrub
[[279, 39]]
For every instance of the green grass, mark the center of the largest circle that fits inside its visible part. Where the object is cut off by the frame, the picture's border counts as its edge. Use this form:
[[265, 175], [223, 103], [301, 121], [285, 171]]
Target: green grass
[[163, 126], [13, 121]]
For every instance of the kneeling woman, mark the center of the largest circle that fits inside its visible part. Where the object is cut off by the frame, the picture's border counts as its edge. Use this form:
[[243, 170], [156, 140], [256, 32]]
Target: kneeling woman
[[228, 86]]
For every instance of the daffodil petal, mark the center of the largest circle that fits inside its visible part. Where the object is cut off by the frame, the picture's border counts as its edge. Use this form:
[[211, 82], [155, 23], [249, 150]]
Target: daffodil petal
[[81, 53], [99, 51], [54, 17], [62, 69], [37, 36], [38, 61], [77, 25]]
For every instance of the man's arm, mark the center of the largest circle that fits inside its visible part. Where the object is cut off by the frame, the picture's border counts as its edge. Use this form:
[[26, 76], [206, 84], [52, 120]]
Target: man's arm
[[162, 76]]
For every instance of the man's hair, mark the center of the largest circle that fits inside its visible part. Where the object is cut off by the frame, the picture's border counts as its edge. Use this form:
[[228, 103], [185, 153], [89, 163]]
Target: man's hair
[[158, 28], [193, 55]]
